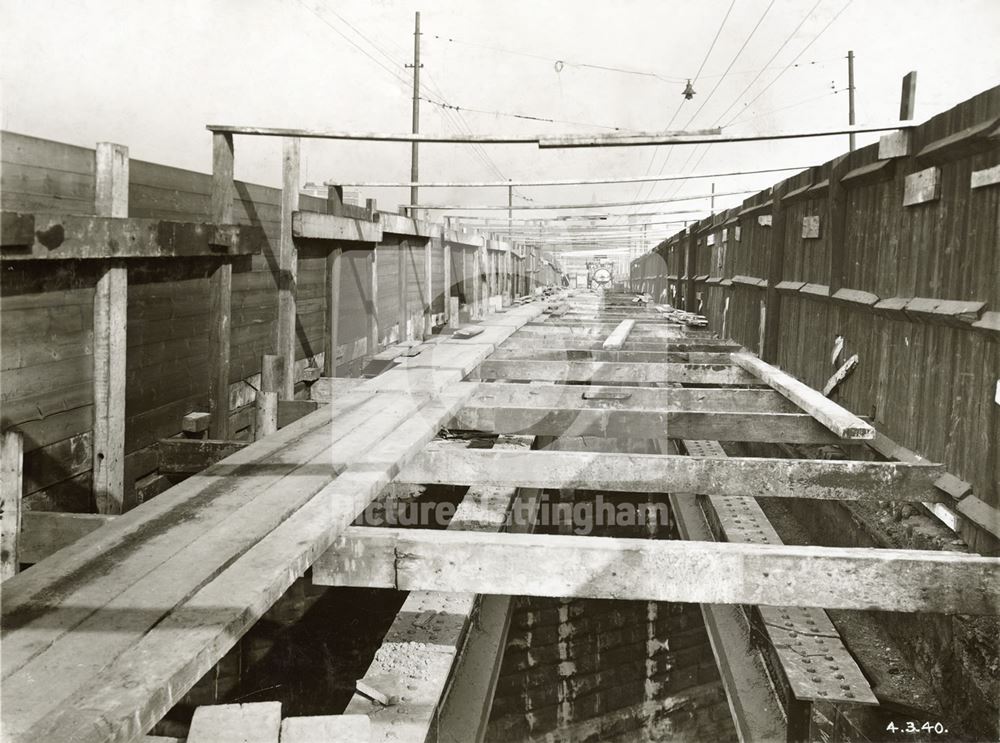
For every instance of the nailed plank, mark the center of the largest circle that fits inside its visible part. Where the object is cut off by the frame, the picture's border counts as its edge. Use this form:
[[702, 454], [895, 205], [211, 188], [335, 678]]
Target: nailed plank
[[62, 237], [609, 372], [259, 722], [700, 572], [767, 478], [618, 336], [563, 343], [11, 488], [922, 186], [842, 422], [557, 354], [985, 177], [319, 226]]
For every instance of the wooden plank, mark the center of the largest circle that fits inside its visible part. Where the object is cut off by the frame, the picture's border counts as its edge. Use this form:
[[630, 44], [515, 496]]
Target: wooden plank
[[582, 420], [288, 265], [334, 261], [326, 729], [532, 341], [985, 177], [922, 186], [775, 272], [842, 422], [290, 411], [66, 237], [110, 318], [619, 335], [190, 456], [320, 226], [11, 488], [126, 697], [44, 533], [703, 400], [259, 722], [609, 372], [700, 572], [662, 357], [640, 473], [220, 291]]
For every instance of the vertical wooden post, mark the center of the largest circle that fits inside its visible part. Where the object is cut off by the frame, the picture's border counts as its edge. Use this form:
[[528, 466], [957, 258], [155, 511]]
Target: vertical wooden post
[[908, 97], [288, 264], [373, 326], [837, 211], [775, 267], [11, 458], [335, 205], [690, 300], [271, 372], [110, 312], [428, 288], [220, 291], [446, 252], [404, 248]]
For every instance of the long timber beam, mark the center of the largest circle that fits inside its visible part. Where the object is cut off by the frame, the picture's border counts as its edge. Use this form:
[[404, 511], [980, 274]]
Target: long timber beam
[[655, 473], [667, 570], [603, 372]]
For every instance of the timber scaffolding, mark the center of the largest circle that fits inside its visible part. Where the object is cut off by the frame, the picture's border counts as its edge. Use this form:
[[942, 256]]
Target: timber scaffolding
[[102, 638], [128, 609]]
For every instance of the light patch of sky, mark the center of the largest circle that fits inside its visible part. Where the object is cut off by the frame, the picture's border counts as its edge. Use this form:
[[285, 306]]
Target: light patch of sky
[[151, 75]]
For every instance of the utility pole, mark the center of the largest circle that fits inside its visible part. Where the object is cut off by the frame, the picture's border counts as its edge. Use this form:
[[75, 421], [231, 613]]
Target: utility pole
[[510, 206], [850, 95], [414, 153]]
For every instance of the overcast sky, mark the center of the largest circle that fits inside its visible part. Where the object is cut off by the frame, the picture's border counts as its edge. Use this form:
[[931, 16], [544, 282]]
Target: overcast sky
[[150, 75]]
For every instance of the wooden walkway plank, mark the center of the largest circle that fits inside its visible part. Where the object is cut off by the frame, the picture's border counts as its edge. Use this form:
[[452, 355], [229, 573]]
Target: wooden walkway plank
[[656, 473], [830, 414], [117, 614], [326, 729], [126, 697], [699, 572]]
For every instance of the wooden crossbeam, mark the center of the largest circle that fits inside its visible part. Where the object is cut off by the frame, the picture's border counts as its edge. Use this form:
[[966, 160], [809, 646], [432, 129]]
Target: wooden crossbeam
[[619, 356], [603, 372], [654, 473], [675, 570], [580, 420], [842, 422], [532, 340], [320, 226], [65, 237], [703, 400]]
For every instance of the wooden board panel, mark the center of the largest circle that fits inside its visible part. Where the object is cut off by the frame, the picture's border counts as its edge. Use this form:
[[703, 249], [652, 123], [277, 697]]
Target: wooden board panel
[[608, 372]]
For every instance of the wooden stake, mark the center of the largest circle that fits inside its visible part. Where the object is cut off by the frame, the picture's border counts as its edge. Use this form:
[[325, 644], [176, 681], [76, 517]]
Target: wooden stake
[[404, 248], [110, 312], [372, 310], [11, 467], [428, 289], [335, 205], [447, 282], [288, 265]]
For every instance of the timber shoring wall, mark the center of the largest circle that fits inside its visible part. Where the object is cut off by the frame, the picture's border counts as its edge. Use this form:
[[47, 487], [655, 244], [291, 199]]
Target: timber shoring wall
[[46, 313], [927, 375]]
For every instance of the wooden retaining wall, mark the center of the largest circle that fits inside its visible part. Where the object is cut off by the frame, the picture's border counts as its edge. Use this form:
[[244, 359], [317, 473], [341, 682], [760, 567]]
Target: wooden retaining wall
[[46, 388], [895, 248]]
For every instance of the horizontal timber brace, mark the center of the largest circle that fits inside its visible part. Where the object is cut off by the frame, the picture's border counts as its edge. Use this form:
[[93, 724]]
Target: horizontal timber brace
[[656, 473], [664, 570], [61, 237]]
